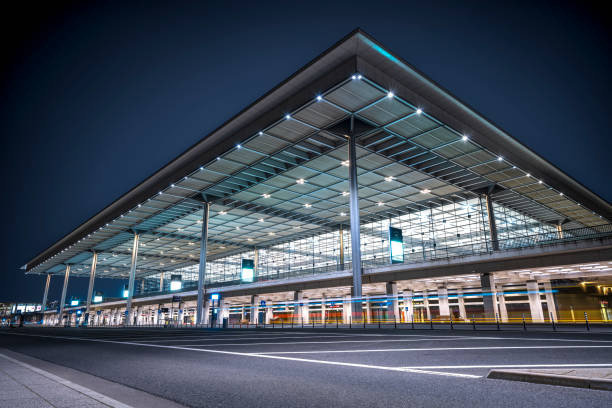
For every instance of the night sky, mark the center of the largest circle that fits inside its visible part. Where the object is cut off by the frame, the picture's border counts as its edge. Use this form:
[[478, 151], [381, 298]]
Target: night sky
[[96, 97]]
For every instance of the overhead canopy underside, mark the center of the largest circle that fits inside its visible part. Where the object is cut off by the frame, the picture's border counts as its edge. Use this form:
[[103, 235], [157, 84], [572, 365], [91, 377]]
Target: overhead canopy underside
[[412, 154]]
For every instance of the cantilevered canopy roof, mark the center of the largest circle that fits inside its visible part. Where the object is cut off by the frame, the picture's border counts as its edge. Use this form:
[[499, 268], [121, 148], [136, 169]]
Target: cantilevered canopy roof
[[277, 171]]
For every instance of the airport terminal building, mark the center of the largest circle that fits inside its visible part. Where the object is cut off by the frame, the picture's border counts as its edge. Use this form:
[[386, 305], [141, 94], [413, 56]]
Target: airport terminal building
[[356, 191]]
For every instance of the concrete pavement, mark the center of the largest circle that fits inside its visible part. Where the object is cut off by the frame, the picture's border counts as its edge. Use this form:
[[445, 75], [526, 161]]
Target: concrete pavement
[[312, 368]]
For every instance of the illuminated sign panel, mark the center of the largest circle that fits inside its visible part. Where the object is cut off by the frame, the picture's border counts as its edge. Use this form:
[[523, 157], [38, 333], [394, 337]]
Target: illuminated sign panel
[[74, 302], [126, 292], [248, 270], [396, 245], [176, 282], [214, 296]]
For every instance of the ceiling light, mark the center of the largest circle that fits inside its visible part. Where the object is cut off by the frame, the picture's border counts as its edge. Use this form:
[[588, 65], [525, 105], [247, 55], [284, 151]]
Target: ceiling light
[[249, 239], [354, 77], [561, 194], [500, 158], [345, 163], [237, 228], [389, 178], [319, 98], [260, 133], [464, 138], [238, 147], [261, 220], [425, 191], [300, 181], [380, 203], [345, 193], [266, 195], [359, 76], [222, 212], [539, 181], [390, 95], [527, 175], [342, 214], [287, 116], [307, 205], [419, 111], [271, 233]]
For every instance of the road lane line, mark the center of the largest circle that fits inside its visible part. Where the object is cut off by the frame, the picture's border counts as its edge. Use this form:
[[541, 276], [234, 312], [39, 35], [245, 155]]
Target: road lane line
[[316, 342], [508, 366], [432, 349], [235, 353], [301, 337]]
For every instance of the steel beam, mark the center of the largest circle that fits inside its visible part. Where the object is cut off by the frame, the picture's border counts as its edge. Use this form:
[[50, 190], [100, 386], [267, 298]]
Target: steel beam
[[92, 277], [355, 230], [46, 293], [63, 298], [128, 305], [202, 269]]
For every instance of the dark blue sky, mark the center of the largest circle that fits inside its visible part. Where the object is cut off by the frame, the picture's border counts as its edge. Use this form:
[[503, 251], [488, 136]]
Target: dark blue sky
[[95, 97]]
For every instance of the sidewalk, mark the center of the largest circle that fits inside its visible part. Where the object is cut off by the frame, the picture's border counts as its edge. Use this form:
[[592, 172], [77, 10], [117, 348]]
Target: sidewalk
[[23, 385], [595, 378]]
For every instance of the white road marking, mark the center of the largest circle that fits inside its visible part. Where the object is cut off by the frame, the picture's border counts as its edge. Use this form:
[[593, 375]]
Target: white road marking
[[76, 387], [297, 337], [320, 342], [337, 363], [432, 349], [508, 366]]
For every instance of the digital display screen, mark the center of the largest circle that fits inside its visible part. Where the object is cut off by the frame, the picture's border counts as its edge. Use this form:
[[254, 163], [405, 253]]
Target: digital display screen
[[396, 247], [247, 273]]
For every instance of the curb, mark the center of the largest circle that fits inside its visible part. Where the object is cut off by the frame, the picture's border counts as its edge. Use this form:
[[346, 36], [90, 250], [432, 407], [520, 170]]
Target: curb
[[551, 379]]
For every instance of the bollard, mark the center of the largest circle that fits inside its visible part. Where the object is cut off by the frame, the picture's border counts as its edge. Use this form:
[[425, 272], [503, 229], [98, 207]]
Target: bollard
[[430, 323], [586, 321], [412, 321], [395, 323], [524, 325], [451, 321], [379, 323], [336, 321], [473, 323], [553, 322], [497, 321]]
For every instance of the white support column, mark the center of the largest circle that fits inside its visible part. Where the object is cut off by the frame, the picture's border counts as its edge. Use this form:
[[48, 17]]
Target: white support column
[[550, 301], [161, 282], [426, 303], [368, 309], [206, 313], [92, 277], [269, 314], [45, 293], [535, 303], [408, 306], [443, 306], [501, 305], [202, 267], [63, 298], [346, 309], [392, 303], [302, 311], [461, 302], [128, 306], [254, 309], [487, 282], [181, 312], [242, 313], [223, 311], [323, 309]]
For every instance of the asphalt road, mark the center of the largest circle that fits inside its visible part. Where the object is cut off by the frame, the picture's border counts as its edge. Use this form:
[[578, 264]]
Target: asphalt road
[[324, 368]]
